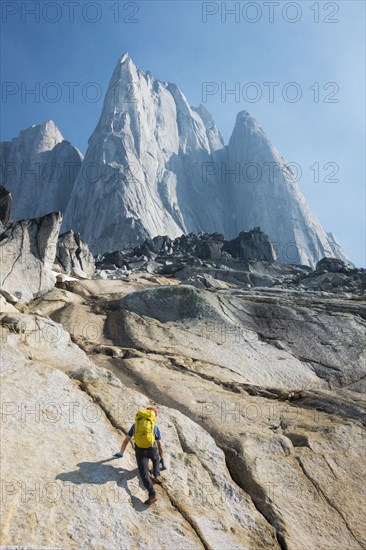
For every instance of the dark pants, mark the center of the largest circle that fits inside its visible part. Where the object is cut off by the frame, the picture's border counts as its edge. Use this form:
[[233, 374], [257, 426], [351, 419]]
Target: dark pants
[[142, 459]]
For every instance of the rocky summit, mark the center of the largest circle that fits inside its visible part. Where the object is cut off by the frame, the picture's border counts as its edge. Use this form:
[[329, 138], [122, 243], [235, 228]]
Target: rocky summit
[[155, 165], [160, 167], [256, 368]]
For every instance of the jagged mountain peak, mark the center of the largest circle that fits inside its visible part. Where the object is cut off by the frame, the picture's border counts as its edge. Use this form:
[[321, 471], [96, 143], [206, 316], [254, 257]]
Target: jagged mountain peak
[[124, 57], [47, 126], [41, 137], [39, 168], [163, 169], [245, 120]]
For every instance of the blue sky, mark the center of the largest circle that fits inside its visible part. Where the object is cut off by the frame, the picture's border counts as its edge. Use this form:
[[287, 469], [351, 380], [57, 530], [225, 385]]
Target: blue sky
[[317, 45]]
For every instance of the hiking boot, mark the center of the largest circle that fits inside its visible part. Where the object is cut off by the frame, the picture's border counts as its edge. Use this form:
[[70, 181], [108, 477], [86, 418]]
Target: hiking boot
[[157, 480], [150, 501]]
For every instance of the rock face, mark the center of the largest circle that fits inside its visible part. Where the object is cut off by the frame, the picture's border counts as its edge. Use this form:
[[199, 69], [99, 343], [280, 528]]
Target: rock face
[[86, 497], [27, 251], [261, 407], [279, 355], [73, 255], [155, 165], [144, 146], [39, 168], [5, 205], [265, 193]]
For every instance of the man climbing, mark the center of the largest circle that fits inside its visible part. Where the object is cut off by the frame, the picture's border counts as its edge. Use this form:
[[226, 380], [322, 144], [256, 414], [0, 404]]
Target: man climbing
[[148, 445]]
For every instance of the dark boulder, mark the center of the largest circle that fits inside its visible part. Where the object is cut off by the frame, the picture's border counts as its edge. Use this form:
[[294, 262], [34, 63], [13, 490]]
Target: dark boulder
[[148, 249], [251, 245], [333, 265], [206, 246], [163, 244], [210, 247], [116, 259]]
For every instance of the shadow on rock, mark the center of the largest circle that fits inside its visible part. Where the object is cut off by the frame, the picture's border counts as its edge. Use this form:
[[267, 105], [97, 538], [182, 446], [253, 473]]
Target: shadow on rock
[[99, 473]]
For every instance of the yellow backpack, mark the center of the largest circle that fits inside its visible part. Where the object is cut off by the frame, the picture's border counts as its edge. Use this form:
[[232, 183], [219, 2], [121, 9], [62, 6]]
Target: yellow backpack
[[144, 428]]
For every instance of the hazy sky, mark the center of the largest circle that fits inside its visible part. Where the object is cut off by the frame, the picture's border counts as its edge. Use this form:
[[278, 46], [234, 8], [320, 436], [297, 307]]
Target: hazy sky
[[298, 67]]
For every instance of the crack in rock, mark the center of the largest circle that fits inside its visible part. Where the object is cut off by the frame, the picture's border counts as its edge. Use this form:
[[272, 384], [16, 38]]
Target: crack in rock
[[326, 498]]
